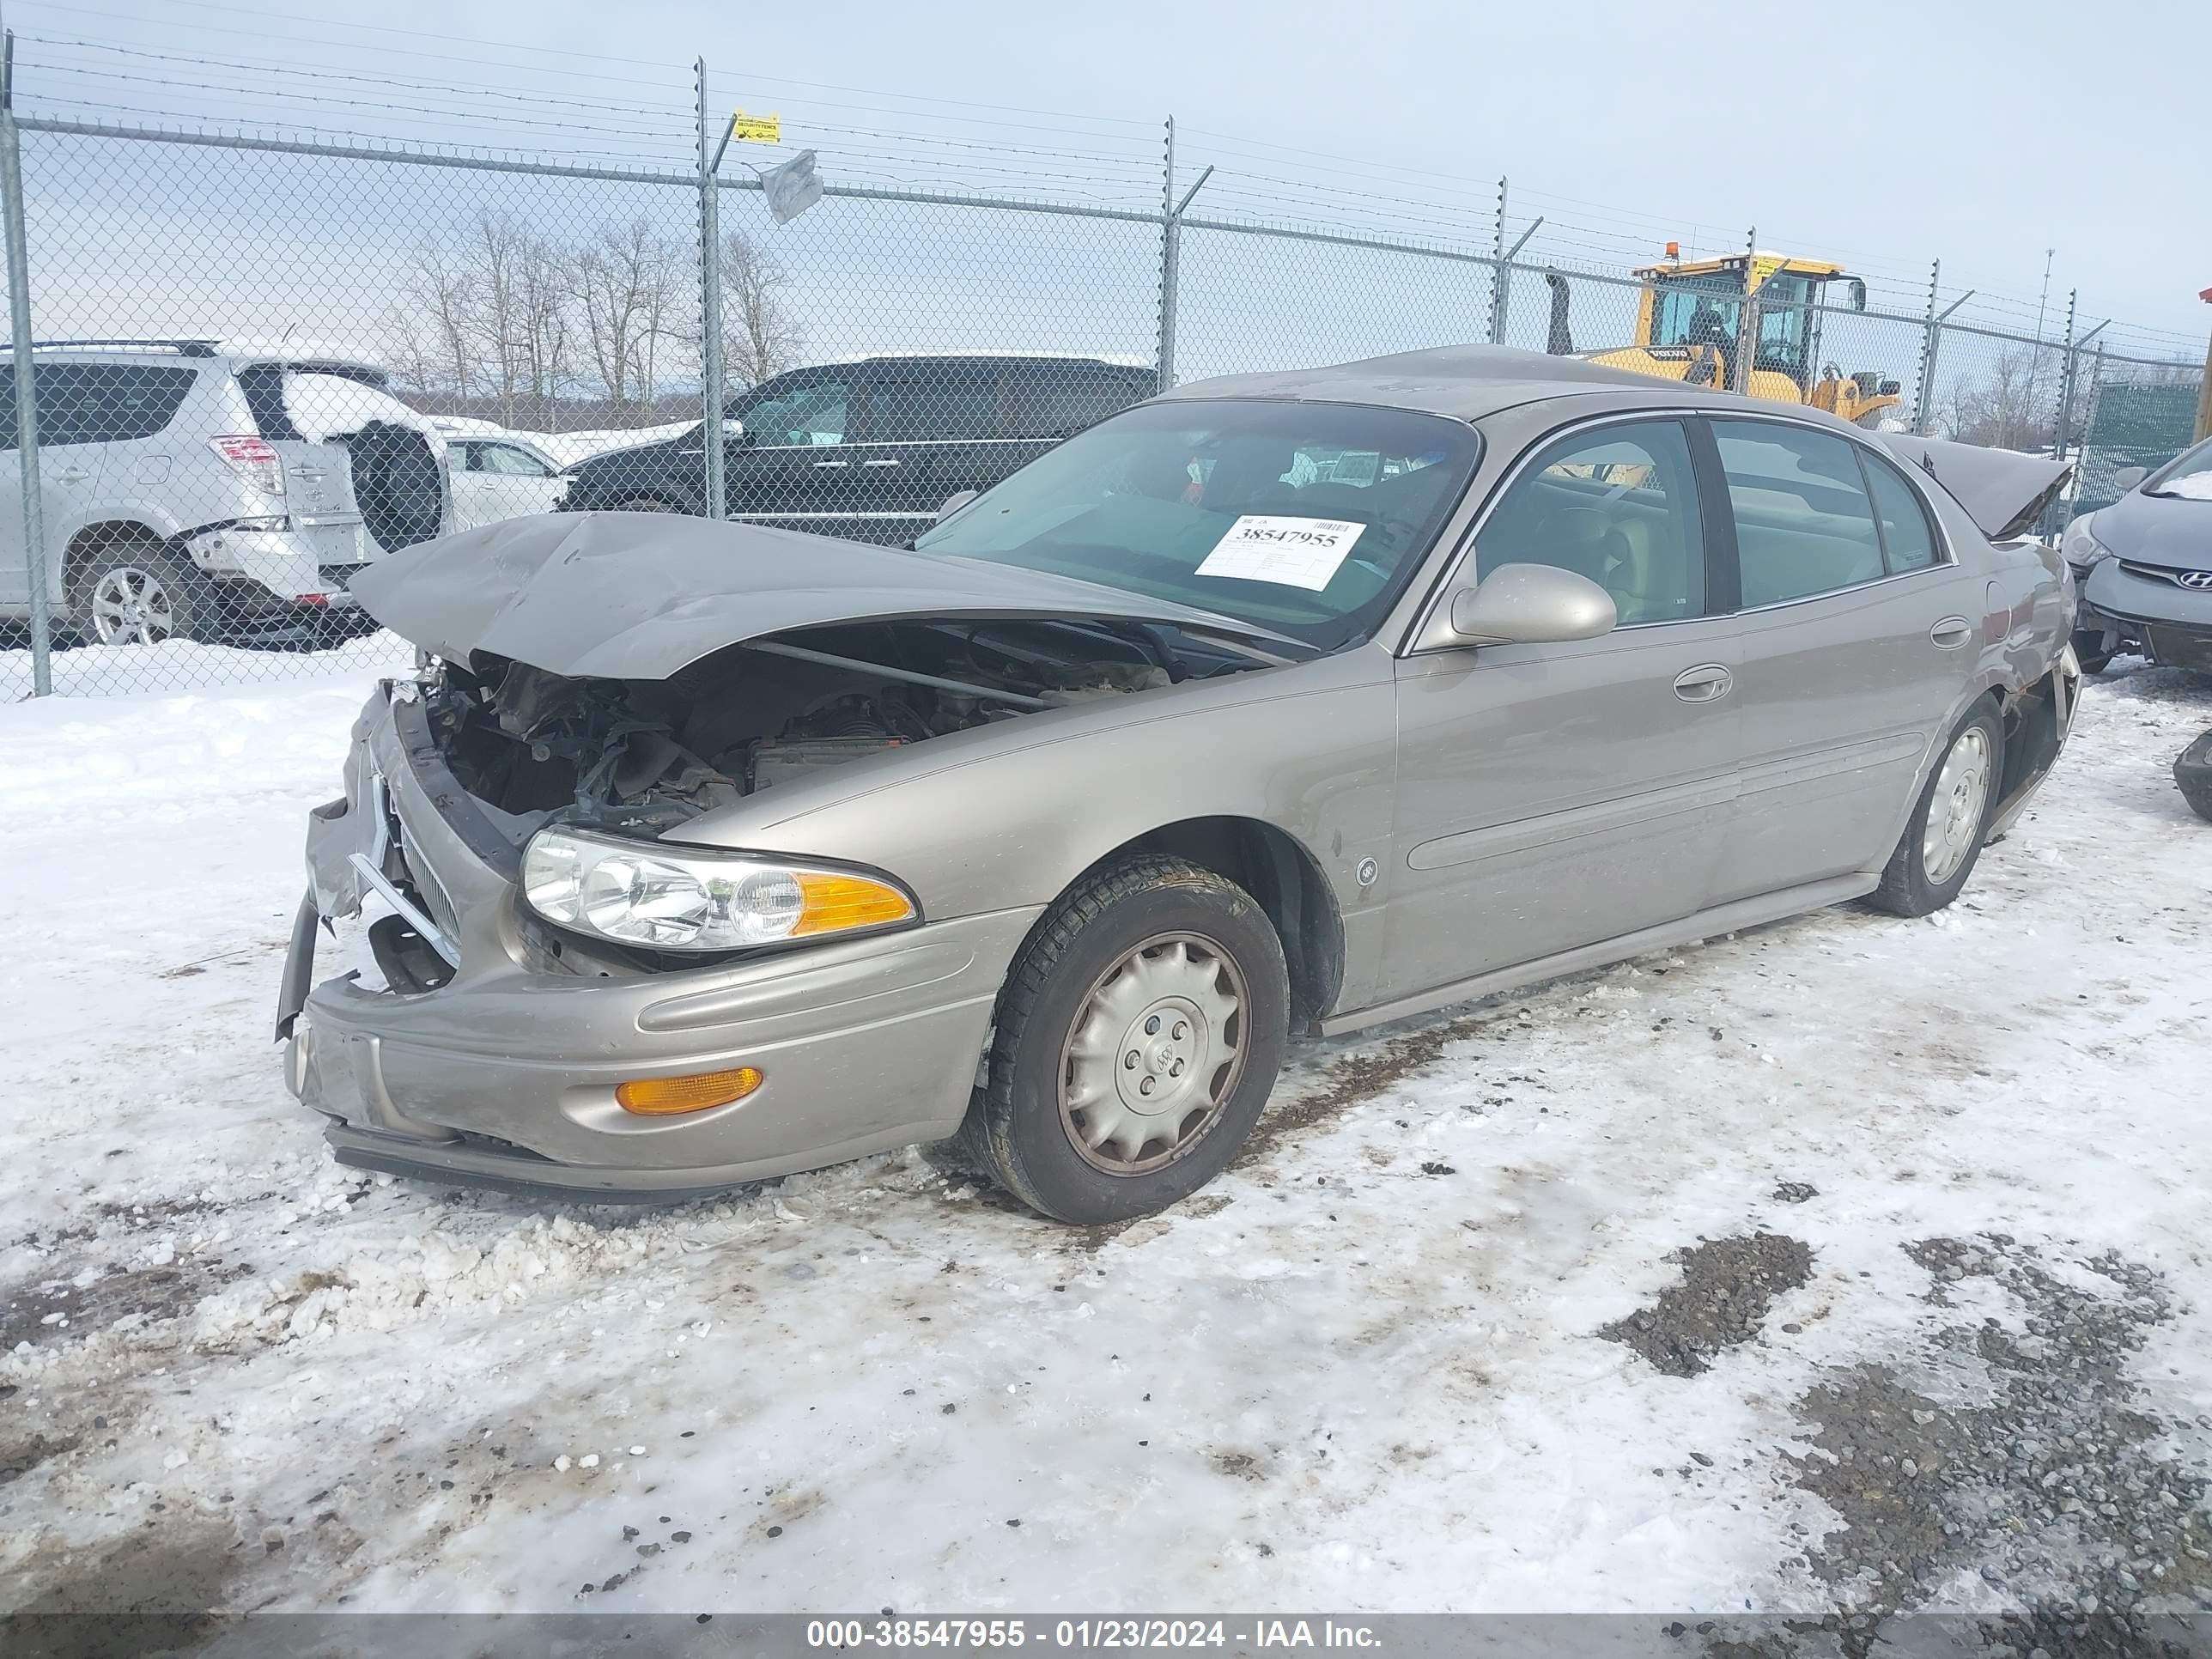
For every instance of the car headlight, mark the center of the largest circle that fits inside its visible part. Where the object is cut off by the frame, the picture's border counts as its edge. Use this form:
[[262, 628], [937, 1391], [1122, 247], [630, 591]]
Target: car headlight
[[2080, 546], [671, 898]]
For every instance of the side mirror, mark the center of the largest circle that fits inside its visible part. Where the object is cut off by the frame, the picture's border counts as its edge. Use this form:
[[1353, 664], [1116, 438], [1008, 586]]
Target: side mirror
[[2128, 476], [1530, 604], [733, 429], [953, 503]]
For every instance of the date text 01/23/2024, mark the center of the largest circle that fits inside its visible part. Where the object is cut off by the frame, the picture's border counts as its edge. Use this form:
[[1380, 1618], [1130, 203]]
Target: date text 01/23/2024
[[957, 1633]]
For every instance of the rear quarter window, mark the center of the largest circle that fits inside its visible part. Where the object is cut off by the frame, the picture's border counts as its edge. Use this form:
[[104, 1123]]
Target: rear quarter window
[[1908, 537]]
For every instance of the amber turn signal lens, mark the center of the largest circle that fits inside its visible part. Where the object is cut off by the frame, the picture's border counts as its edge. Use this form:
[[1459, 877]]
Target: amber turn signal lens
[[670, 1097], [834, 903]]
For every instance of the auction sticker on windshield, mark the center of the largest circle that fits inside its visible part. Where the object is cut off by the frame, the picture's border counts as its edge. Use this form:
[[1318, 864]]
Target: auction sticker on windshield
[[1265, 547]]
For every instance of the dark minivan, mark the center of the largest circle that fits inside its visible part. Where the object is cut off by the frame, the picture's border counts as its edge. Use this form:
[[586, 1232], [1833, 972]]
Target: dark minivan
[[868, 450]]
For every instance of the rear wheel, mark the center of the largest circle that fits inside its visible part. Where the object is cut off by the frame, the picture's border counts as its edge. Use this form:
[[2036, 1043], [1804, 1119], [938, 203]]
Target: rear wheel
[[1943, 837], [132, 591], [1139, 1037]]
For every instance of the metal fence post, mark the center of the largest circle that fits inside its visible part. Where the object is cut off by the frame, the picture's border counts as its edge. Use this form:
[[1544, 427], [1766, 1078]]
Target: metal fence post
[[1169, 251], [1501, 276], [1746, 333], [26, 397], [710, 312], [1501, 270], [1924, 395], [1924, 416], [2069, 386]]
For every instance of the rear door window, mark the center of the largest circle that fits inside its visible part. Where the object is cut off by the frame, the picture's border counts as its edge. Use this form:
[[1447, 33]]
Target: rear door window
[[1804, 524], [934, 401], [1618, 504], [106, 403]]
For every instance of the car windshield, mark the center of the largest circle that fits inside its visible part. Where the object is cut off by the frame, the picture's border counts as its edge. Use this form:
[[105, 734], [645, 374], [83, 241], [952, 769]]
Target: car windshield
[[2188, 475], [1304, 518]]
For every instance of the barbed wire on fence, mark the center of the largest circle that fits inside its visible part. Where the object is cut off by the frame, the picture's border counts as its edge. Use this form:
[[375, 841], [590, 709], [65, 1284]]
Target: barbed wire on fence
[[388, 298]]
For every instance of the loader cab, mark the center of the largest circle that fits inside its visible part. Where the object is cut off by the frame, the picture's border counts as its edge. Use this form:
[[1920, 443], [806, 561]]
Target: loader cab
[[1690, 305]]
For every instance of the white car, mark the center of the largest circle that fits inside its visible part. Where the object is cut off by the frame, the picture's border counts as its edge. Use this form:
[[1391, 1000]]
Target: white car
[[500, 478]]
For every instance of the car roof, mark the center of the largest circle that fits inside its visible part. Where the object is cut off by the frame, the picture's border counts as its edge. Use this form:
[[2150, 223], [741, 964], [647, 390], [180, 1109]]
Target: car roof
[[195, 349], [1039, 359], [1465, 381]]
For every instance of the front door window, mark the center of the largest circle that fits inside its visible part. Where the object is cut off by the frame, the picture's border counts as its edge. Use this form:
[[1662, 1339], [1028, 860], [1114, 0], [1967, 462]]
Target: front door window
[[811, 414], [1618, 504]]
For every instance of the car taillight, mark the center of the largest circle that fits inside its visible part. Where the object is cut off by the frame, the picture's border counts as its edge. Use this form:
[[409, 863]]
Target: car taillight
[[256, 463]]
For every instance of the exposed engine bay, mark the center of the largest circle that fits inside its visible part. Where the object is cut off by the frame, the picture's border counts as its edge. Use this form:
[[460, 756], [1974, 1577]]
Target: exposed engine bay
[[641, 755]]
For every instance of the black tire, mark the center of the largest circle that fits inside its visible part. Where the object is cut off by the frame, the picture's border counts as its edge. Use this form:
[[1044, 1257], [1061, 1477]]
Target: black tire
[[1017, 1130], [1906, 889], [2091, 652], [2192, 771], [187, 597]]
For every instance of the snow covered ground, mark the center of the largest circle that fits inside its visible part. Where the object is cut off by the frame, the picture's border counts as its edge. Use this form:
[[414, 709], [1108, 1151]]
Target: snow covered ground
[[1848, 1262]]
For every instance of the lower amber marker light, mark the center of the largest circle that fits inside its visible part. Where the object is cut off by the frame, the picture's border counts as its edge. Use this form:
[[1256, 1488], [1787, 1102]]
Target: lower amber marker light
[[672, 1097]]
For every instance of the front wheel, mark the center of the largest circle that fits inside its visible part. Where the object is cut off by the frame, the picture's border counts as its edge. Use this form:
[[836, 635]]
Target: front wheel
[[1943, 837], [2091, 651], [1138, 1035]]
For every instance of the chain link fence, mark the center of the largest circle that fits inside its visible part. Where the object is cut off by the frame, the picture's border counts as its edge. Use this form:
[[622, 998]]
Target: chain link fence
[[245, 366]]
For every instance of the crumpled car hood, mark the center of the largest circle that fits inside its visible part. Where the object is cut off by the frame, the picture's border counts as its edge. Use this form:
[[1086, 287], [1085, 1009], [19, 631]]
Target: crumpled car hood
[[640, 595], [2002, 490]]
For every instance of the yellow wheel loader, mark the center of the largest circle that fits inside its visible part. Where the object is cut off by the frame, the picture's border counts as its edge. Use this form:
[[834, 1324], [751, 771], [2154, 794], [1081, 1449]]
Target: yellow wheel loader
[[1692, 325]]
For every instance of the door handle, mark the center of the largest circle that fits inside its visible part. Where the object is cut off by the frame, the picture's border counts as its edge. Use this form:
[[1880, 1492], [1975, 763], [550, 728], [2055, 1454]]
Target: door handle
[[825, 465], [71, 475], [1951, 633], [1704, 683], [890, 462]]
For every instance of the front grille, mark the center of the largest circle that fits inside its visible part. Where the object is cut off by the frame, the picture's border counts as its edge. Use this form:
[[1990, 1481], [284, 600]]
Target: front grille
[[2162, 573]]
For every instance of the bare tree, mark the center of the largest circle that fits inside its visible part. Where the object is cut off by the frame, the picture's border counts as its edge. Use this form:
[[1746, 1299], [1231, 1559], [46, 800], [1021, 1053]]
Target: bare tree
[[2009, 406], [627, 280], [759, 336], [541, 343], [436, 337], [497, 256]]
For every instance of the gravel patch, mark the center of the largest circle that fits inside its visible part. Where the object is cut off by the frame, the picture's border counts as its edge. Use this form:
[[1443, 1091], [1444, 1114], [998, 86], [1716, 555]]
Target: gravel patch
[[2058, 1492], [1728, 1284]]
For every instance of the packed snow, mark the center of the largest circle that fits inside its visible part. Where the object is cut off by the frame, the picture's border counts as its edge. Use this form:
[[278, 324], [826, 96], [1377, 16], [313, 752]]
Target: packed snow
[[187, 665], [2190, 486], [1414, 1352]]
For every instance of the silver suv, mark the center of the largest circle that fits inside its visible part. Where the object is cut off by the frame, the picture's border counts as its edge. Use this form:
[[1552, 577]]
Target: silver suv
[[194, 488]]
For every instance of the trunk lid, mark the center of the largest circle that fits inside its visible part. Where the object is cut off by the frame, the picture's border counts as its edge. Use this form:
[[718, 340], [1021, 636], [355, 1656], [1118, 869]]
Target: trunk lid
[[2002, 490], [640, 596]]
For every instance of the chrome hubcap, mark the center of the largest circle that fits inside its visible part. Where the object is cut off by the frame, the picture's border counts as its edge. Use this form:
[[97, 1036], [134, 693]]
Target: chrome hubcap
[[1955, 812], [1154, 1055], [129, 606]]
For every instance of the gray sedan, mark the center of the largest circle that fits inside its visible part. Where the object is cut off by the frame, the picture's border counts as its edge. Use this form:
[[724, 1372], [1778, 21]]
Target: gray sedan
[[1285, 703], [2144, 565]]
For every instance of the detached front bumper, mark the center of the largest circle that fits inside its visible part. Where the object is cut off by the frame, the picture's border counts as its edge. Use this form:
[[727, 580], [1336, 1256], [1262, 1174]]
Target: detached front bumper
[[505, 1076]]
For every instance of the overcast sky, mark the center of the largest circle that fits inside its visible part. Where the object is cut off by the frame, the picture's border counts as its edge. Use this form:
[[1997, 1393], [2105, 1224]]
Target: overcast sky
[[1881, 133]]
